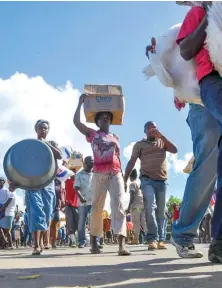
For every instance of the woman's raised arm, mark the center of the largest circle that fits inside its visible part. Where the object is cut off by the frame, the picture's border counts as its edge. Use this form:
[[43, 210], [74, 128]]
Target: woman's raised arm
[[76, 120]]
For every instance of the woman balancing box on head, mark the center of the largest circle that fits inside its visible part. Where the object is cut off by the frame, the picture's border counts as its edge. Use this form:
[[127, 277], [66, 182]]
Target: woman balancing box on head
[[107, 173]]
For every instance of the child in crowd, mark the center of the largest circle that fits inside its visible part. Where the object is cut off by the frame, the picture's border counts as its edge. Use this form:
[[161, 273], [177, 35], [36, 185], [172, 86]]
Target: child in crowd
[[129, 225], [17, 230], [107, 229], [62, 237]]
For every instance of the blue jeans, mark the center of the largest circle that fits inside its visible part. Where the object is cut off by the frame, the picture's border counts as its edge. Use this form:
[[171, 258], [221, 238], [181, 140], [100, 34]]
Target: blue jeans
[[211, 95], [154, 193], [201, 181], [142, 236], [62, 234], [84, 212], [165, 228]]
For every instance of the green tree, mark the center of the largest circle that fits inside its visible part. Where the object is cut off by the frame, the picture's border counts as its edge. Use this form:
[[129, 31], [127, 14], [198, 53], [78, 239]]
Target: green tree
[[170, 202]]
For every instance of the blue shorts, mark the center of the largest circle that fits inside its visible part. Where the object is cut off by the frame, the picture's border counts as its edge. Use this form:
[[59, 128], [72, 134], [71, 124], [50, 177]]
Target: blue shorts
[[40, 205], [6, 222]]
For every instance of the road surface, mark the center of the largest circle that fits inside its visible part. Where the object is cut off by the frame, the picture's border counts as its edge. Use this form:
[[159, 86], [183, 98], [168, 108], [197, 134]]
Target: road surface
[[73, 267]]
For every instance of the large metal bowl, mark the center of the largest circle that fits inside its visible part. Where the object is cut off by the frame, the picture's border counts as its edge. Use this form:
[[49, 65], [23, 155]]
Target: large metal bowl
[[30, 164]]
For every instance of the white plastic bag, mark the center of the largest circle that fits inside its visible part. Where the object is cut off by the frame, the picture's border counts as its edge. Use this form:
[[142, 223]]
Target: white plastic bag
[[66, 153], [63, 173], [172, 70]]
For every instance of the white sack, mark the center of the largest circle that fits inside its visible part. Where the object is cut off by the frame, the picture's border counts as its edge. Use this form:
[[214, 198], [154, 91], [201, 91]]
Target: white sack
[[172, 70], [63, 173], [66, 153], [214, 35]]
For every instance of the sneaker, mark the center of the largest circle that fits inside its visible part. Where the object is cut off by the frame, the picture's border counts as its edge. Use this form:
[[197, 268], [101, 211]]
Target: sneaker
[[81, 246], [153, 246], [215, 253], [161, 246], [186, 251]]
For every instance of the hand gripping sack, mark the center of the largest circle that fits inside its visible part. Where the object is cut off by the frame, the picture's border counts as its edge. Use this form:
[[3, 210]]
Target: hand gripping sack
[[172, 70]]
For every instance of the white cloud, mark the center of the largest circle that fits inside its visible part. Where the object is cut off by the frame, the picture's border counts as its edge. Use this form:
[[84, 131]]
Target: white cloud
[[173, 162], [24, 100], [127, 151], [20, 200], [176, 164]]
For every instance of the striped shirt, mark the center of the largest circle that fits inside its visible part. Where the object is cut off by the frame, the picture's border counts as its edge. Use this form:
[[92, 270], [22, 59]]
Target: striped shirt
[[152, 155]]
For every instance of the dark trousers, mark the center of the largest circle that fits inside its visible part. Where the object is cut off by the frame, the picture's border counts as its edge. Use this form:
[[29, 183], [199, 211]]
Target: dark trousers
[[72, 219]]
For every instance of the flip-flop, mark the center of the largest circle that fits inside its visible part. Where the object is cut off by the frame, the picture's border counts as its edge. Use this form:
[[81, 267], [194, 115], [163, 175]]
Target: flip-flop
[[36, 252], [95, 251]]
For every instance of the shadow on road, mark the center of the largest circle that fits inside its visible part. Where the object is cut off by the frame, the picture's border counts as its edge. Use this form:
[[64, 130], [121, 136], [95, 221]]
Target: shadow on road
[[161, 273]]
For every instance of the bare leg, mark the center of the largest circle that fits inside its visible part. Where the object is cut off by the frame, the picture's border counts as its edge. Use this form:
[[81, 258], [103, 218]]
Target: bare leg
[[46, 238], [122, 250], [9, 237], [54, 233], [41, 241], [121, 238], [36, 239], [2, 236], [208, 228]]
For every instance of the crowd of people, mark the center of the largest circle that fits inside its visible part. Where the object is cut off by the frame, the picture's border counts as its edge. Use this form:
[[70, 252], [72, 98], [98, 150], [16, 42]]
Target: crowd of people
[[84, 194], [62, 233]]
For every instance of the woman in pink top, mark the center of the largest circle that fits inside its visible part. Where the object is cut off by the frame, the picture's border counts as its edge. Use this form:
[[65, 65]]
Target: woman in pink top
[[107, 176]]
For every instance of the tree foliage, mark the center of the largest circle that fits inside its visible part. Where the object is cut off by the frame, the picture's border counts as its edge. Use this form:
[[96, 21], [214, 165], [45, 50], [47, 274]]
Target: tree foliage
[[170, 202]]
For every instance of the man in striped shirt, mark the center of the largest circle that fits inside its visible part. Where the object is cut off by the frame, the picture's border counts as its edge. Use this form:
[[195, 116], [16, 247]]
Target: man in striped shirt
[[153, 174]]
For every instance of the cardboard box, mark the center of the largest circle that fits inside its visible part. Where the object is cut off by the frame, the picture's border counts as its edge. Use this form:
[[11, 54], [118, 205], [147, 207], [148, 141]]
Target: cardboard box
[[75, 162], [104, 98]]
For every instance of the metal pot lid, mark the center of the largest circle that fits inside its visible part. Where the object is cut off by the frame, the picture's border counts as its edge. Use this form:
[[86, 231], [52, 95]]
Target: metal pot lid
[[31, 160]]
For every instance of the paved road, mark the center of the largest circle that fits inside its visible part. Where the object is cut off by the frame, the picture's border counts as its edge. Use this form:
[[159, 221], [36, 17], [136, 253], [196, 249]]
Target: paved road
[[71, 267]]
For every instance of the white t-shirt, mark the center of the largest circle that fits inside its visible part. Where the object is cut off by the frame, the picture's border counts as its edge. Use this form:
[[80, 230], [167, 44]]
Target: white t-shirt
[[4, 196]]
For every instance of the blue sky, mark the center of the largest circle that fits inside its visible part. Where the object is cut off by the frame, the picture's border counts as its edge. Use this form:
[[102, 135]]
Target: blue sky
[[98, 42]]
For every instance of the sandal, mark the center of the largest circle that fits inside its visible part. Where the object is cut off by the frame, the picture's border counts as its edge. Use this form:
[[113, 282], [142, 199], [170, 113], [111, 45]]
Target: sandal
[[95, 251], [124, 252], [5, 245], [36, 252], [9, 248]]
